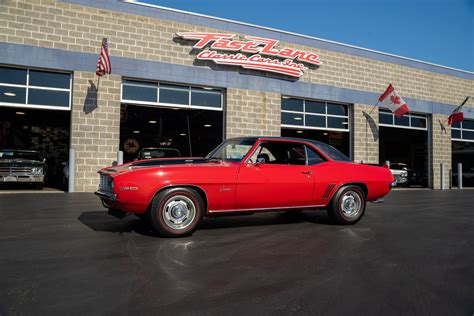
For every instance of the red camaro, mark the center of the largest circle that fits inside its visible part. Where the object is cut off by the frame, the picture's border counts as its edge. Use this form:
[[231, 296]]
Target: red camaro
[[248, 174]]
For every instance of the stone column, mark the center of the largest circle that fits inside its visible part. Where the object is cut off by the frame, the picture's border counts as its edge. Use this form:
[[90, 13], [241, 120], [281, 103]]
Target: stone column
[[252, 113], [95, 126], [365, 134], [440, 151]]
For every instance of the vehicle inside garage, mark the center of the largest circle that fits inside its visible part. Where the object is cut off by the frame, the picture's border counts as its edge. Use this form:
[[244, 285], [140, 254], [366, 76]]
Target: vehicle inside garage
[[462, 134], [43, 131], [403, 142]]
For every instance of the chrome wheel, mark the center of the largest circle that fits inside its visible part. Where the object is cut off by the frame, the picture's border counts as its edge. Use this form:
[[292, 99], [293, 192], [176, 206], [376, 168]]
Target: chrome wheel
[[351, 204], [179, 212]]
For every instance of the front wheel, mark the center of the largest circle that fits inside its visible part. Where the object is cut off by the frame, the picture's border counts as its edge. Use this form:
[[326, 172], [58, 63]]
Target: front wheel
[[347, 206], [176, 212]]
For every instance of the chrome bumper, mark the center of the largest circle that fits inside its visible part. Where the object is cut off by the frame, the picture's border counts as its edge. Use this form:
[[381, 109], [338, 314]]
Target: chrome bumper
[[21, 178], [106, 195]]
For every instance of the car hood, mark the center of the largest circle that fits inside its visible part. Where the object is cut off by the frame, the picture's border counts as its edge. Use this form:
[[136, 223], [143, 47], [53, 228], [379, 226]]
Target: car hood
[[20, 163], [162, 162]]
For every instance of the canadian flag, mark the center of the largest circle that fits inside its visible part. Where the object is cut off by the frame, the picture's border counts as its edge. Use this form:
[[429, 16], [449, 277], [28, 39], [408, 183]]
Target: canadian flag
[[394, 102], [457, 115]]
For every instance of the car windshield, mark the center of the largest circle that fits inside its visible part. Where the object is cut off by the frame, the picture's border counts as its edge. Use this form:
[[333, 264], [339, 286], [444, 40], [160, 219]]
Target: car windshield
[[331, 152], [232, 150], [12, 154]]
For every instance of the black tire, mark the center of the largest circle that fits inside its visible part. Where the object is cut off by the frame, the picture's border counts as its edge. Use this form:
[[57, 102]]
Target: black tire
[[340, 209], [181, 200], [142, 216]]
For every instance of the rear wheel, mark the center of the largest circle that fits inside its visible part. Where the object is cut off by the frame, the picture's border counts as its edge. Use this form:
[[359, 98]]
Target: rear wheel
[[176, 212], [347, 206]]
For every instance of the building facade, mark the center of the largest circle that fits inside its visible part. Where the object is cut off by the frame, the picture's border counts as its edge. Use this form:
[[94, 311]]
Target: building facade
[[163, 94]]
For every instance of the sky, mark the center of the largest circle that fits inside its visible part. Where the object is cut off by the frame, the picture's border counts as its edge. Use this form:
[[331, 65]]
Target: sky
[[435, 31]]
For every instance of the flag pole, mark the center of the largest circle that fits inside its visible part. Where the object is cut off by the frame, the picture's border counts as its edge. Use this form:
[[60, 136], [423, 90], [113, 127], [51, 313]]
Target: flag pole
[[367, 131], [373, 108]]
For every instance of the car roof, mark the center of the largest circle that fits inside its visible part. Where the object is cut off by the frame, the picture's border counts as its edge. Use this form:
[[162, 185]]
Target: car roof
[[255, 138]]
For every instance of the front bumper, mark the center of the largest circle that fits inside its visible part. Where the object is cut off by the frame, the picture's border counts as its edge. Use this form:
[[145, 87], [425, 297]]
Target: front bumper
[[12, 178], [111, 197]]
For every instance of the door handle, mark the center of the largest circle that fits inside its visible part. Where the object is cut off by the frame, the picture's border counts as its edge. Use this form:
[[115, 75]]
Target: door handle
[[307, 172]]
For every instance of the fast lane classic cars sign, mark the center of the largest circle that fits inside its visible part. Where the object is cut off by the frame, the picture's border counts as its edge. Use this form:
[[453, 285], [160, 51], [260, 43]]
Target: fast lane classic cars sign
[[251, 53]]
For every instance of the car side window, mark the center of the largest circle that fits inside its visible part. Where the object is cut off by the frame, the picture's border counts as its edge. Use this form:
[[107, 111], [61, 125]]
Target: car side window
[[281, 153], [313, 157]]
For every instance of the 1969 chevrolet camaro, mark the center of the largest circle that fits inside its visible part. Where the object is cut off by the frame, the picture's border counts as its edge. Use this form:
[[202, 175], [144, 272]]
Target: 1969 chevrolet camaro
[[243, 175]]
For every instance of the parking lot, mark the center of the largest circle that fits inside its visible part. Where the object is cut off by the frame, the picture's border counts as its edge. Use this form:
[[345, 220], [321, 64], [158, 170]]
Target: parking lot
[[413, 254]]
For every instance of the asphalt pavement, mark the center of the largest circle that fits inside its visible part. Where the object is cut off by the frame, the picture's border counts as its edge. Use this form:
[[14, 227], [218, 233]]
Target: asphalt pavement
[[414, 254]]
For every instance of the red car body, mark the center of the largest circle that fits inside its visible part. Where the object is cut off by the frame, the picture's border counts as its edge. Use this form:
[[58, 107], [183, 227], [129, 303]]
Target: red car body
[[240, 186]]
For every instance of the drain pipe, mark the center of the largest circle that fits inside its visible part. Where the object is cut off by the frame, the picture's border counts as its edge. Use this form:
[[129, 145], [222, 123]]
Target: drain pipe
[[72, 171], [459, 175]]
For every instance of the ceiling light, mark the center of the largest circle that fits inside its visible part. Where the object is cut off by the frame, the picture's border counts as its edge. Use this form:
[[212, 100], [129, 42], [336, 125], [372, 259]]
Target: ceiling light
[[207, 125], [299, 132], [175, 108], [136, 132], [20, 113], [297, 118], [325, 133], [207, 88], [9, 94], [182, 134], [345, 123], [152, 122], [284, 97]]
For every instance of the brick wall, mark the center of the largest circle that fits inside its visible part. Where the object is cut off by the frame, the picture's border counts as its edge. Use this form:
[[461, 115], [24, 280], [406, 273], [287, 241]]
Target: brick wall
[[95, 133], [441, 150], [365, 133], [252, 113], [48, 23]]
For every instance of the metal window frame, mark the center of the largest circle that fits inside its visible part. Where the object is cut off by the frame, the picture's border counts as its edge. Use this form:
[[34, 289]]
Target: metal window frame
[[409, 115], [325, 115], [179, 87], [461, 130], [27, 88]]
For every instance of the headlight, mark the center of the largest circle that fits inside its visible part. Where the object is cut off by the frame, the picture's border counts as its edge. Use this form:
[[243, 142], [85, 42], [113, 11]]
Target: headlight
[[37, 170]]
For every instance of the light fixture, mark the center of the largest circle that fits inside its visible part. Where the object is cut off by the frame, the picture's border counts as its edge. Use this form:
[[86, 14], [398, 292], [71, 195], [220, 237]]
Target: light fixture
[[175, 109], [207, 125], [136, 132], [207, 88], [297, 118], [284, 97], [345, 123], [152, 122], [182, 134], [299, 132], [20, 113], [9, 94], [325, 134]]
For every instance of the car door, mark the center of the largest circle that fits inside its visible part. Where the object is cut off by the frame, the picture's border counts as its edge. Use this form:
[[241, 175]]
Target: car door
[[282, 180]]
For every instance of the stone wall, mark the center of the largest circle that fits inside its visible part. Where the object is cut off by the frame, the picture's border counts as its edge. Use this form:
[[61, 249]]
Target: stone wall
[[440, 139], [365, 133], [95, 133]]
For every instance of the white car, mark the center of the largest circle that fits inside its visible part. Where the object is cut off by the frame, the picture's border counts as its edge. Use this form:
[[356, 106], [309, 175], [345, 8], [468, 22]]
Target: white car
[[399, 172]]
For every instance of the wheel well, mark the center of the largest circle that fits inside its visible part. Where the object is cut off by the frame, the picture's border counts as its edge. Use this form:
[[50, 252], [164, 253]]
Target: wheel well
[[200, 191], [362, 185]]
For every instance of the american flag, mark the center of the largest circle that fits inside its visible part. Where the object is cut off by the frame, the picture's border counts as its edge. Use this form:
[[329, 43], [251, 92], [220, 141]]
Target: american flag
[[103, 64]]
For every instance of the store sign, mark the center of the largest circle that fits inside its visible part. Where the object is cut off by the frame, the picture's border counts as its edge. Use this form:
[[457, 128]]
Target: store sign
[[251, 53]]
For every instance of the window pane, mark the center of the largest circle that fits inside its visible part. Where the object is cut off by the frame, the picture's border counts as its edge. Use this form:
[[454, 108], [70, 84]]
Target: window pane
[[468, 124], [385, 118], [137, 93], [12, 76], [12, 95], [177, 95], [402, 121], [48, 97], [337, 122], [315, 107], [467, 135], [203, 98], [49, 79], [455, 133], [418, 122], [141, 83], [337, 109], [315, 120], [457, 124], [313, 157], [291, 118], [292, 105]]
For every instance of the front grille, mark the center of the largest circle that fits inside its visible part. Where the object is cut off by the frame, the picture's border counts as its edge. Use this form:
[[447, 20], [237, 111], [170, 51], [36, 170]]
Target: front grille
[[15, 170], [106, 184]]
